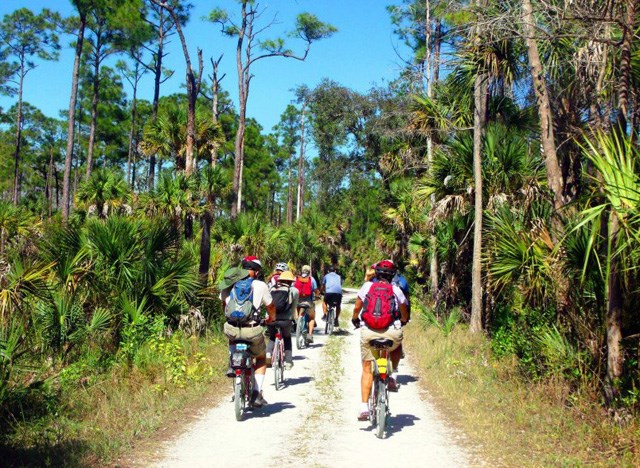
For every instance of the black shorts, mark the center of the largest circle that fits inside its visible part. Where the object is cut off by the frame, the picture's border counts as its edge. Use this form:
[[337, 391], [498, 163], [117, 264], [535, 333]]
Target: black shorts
[[333, 299]]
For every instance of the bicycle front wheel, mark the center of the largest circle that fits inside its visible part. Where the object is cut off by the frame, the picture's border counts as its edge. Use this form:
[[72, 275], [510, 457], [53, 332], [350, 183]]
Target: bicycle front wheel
[[239, 397], [276, 364], [381, 409]]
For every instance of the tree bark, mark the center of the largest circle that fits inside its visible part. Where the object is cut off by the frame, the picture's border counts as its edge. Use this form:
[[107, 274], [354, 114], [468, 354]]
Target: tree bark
[[624, 85], [547, 138], [290, 191], [66, 183], [300, 199], [156, 94], [16, 155], [614, 313], [94, 105]]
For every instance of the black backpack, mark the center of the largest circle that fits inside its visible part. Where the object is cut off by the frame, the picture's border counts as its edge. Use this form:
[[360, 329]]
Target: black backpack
[[281, 301]]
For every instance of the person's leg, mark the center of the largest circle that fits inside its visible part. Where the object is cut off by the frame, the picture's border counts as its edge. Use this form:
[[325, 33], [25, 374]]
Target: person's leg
[[338, 307], [324, 308], [288, 348], [366, 381], [312, 319]]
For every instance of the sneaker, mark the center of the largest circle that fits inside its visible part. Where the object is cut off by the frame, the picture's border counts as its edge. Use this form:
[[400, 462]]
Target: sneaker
[[363, 416], [336, 323], [257, 400], [288, 365], [392, 385], [230, 372]]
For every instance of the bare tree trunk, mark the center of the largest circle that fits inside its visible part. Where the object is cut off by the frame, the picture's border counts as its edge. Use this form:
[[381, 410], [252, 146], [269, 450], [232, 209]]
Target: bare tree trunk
[[66, 184], [554, 174], [244, 80], [156, 96], [132, 132], [614, 313], [300, 199], [624, 84], [479, 122], [94, 110], [290, 192], [215, 90], [16, 154]]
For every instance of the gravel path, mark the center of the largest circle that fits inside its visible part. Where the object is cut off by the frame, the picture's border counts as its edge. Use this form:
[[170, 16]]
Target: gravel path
[[312, 421]]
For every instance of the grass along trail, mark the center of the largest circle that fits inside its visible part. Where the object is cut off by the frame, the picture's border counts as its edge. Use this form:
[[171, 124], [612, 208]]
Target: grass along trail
[[312, 420]]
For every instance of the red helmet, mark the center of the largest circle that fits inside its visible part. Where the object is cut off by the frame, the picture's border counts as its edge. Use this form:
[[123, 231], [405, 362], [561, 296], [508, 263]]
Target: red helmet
[[385, 268], [251, 263]]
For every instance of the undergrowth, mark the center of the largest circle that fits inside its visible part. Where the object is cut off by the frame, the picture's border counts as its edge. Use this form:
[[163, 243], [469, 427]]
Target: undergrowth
[[514, 420], [91, 412]]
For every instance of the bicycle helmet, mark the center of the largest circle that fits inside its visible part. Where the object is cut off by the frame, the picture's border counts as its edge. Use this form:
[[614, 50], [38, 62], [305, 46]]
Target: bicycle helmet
[[251, 263], [385, 269], [282, 266]]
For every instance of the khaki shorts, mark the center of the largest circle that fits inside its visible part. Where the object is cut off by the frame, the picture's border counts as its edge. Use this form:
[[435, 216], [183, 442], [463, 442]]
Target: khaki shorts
[[255, 335], [367, 334]]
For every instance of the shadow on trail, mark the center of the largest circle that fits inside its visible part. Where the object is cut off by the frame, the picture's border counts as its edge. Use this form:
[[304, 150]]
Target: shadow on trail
[[299, 357], [397, 422], [271, 408], [342, 332], [406, 379], [297, 380]]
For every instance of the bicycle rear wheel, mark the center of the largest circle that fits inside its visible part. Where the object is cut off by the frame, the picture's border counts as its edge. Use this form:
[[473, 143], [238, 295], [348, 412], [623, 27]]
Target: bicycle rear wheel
[[381, 409], [276, 364], [373, 400], [239, 397], [300, 332], [331, 316]]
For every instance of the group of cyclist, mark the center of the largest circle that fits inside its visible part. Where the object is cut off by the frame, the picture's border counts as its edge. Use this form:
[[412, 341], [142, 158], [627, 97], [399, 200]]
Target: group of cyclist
[[282, 293]]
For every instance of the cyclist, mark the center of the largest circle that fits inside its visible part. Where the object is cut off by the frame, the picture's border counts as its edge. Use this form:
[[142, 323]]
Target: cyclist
[[332, 290], [251, 330], [307, 288], [394, 310], [285, 299], [279, 268]]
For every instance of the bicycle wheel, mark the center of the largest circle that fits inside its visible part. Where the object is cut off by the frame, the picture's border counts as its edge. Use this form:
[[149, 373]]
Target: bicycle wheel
[[276, 363], [281, 365], [300, 333], [381, 409], [373, 399], [328, 326], [239, 397]]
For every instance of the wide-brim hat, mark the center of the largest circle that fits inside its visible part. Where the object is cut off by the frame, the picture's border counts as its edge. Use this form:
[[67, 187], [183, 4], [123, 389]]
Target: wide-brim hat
[[286, 276], [231, 276]]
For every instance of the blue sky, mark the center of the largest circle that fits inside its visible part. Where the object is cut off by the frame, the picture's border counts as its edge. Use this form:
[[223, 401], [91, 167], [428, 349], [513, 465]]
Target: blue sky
[[362, 54]]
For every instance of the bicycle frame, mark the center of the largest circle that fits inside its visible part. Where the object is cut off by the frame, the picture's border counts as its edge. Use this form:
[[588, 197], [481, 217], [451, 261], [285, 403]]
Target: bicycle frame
[[242, 363], [277, 359], [379, 397], [302, 324]]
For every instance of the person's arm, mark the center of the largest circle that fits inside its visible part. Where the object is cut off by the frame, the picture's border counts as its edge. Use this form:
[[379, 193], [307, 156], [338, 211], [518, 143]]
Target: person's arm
[[355, 318], [271, 311], [404, 313]]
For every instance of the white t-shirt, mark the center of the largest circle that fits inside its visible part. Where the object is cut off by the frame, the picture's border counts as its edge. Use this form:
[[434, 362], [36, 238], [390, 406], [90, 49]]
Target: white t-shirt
[[400, 297], [261, 294]]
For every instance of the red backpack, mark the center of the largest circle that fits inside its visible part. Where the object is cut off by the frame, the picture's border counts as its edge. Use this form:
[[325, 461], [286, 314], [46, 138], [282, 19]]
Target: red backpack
[[379, 309], [305, 287]]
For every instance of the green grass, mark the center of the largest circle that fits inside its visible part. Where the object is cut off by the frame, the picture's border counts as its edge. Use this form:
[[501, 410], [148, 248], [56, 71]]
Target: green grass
[[513, 422], [92, 418]]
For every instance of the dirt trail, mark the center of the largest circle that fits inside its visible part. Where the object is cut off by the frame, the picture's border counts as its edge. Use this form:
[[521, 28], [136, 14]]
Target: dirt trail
[[312, 421]]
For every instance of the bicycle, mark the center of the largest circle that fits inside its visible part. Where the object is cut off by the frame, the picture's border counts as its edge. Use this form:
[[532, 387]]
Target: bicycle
[[379, 397], [277, 360], [330, 321], [302, 325], [242, 364]]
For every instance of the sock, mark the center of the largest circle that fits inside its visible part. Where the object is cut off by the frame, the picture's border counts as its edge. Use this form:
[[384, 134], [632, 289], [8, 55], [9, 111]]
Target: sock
[[364, 407], [259, 381]]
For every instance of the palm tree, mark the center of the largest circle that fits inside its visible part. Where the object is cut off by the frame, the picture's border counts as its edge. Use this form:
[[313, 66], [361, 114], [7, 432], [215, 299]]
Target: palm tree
[[612, 212], [213, 186], [103, 192]]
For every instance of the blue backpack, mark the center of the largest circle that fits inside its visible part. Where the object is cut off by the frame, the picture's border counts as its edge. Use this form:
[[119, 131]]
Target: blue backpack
[[239, 309]]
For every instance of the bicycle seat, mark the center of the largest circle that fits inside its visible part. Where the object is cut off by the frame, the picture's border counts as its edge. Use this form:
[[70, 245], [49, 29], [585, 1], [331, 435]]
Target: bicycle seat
[[381, 343], [304, 305]]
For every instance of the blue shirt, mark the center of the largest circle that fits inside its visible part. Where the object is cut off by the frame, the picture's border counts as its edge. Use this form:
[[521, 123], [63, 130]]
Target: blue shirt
[[332, 283]]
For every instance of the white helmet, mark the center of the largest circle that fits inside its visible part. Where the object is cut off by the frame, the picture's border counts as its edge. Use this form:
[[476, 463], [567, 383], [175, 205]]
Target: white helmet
[[282, 266]]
